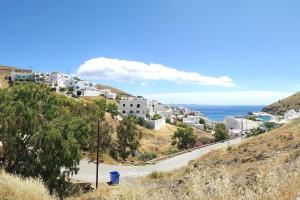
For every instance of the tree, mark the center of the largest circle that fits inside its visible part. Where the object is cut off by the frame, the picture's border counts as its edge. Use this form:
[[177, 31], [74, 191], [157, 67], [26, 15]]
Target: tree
[[128, 137], [41, 135], [270, 125], [184, 138], [202, 121], [221, 133], [113, 109]]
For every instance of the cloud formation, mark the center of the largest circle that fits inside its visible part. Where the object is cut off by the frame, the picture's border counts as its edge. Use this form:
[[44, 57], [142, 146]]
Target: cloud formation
[[134, 71], [221, 98]]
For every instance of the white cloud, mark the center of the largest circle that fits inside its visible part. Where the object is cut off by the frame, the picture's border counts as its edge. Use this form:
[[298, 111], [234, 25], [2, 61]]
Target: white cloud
[[134, 71], [221, 98]]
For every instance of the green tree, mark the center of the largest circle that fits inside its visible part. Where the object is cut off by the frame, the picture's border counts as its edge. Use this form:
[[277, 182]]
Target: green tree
[[41, 135], [113, 109], [270, 125], [128, 137], [221, 133], [184, 138], [202, 121]]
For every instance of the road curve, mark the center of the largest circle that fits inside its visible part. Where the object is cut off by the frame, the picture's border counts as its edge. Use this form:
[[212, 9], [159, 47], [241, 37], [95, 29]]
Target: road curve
[[88, 169]]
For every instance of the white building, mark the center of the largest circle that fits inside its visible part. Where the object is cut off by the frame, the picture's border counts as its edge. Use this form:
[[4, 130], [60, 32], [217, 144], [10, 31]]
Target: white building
[[59, 80], [192, 120], [291, 114], [108, 94], [137, 106], [234, 124], [157, 124]]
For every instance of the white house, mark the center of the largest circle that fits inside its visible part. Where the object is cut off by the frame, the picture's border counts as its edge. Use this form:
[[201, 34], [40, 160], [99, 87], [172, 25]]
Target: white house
[[59, 80], [291, 114], [240, 124], [108, 94], [133, 106], [193, 121]]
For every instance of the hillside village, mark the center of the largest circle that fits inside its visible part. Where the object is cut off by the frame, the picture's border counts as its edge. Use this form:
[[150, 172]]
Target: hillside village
[[155, 113], [154, 118]]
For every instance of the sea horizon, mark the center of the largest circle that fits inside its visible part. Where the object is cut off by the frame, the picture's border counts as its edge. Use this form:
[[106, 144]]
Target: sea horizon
[[219, 112]]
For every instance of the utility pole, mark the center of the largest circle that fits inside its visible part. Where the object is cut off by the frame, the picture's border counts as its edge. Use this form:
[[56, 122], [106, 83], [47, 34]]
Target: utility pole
[[98, 143], [97, 164]]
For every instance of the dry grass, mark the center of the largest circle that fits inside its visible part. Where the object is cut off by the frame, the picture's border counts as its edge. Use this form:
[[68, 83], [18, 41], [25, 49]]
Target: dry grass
[[266, 167], [16, 188], [3, 82], [158, 141]]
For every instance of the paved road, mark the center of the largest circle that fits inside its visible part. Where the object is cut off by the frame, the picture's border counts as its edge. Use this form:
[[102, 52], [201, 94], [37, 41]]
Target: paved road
[[87, 170]]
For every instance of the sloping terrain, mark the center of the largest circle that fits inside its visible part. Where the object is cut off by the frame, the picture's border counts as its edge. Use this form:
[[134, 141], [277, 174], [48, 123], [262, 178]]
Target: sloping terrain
[[14, 187], [115, 90], [280, 107], [262, 167]]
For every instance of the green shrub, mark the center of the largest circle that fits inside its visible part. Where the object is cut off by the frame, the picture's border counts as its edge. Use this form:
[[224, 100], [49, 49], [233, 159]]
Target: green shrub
[[156, 175], [147, 156]]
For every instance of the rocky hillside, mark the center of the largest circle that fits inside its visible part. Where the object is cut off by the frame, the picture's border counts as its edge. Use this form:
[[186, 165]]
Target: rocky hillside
[[262, 167], [280, 107]]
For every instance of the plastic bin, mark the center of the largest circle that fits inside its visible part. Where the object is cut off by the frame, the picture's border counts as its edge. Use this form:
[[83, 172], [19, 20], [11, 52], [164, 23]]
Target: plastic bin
[[114, 177]]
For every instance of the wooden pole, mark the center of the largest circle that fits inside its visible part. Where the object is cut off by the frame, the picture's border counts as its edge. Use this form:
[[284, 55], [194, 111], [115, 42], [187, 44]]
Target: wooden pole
[[97, 165]]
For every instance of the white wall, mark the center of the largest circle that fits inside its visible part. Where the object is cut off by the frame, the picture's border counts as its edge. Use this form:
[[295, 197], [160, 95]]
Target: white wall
[[133, 106], [157, 124]]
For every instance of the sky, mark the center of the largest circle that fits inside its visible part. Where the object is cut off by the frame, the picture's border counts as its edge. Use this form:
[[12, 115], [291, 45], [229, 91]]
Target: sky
[[211, 52]]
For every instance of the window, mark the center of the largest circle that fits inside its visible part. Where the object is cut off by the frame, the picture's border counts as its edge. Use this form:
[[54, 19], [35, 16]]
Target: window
[[124, 111], [138, 105], [124, 105], [131, 105], [131, 112], [138, 111]]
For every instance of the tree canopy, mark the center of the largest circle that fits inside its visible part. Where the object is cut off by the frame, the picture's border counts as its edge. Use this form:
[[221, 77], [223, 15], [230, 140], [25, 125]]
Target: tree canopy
[[128, 137], [184, 137], [221, 133], [42, 133]]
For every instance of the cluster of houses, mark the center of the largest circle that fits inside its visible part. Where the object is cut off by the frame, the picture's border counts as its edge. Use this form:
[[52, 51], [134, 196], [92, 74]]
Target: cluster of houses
[[62, 82], [242, 125]]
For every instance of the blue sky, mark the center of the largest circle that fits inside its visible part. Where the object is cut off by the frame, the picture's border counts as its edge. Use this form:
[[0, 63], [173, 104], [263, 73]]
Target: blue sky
[[253, 44]]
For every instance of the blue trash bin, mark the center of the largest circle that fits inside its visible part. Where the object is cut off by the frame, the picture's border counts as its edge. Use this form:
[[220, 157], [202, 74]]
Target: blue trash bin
[[114, 177]]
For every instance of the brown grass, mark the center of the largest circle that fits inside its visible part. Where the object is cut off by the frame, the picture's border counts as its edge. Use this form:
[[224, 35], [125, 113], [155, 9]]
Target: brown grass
[[266, 167], [16, 188]]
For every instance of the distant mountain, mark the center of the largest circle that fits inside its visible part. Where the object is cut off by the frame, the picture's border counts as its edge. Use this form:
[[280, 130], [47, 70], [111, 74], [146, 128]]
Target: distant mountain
[[280, 107], [115, 90]]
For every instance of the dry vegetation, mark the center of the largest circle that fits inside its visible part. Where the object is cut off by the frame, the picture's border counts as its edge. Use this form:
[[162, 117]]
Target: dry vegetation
[[16, 188], [3, 82], [280, 107], [263, 167]]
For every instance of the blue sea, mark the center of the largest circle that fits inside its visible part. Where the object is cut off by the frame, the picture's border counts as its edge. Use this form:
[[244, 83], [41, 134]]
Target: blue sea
[[217, 113]]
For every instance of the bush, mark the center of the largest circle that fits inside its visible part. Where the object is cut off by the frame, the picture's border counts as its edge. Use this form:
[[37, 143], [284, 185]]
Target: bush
[[147, 156], [156, 175], [156, 117], [172, 150], [255, 132], [221, 133], [184, 138]]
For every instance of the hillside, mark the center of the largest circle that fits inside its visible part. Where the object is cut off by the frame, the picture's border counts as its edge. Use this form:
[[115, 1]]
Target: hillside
[[280, 107], [14, 187], [263, 167], [115, 90]]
